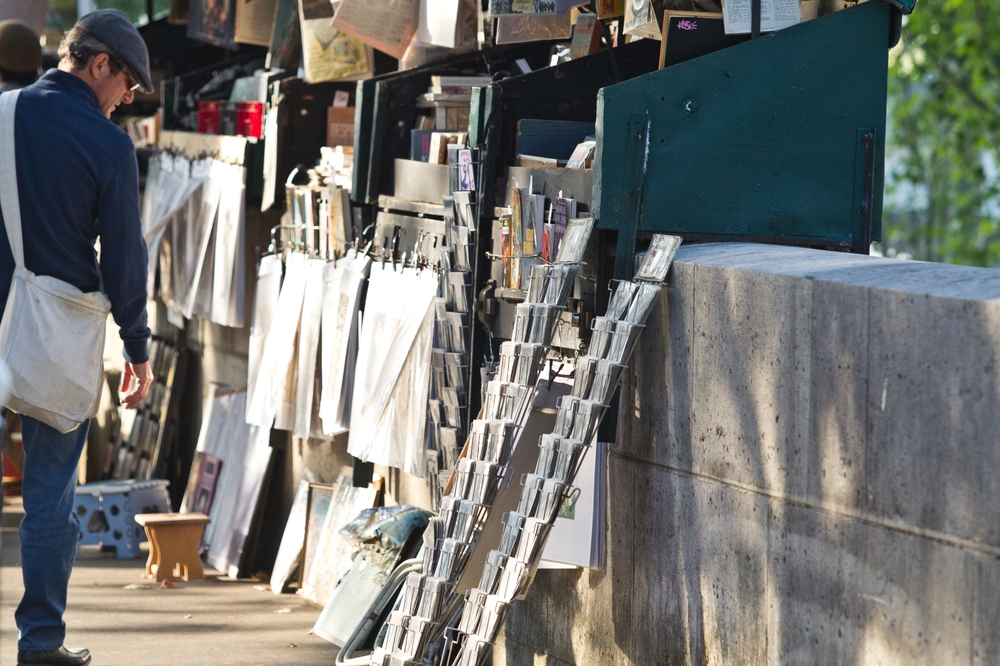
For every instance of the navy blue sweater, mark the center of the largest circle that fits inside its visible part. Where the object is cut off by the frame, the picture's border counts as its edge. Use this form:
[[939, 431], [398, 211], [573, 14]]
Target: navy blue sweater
[[78, 180]]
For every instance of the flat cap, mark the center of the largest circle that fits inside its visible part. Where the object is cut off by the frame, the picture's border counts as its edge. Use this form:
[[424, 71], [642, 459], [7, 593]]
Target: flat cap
[[112, 27], [20, 50]]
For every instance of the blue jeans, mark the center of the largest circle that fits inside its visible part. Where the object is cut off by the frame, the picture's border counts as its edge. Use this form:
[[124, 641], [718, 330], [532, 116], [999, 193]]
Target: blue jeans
[[49, 532]]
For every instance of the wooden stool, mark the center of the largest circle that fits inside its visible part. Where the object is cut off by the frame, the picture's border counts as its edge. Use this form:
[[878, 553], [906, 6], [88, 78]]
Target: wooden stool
[[174, 539]]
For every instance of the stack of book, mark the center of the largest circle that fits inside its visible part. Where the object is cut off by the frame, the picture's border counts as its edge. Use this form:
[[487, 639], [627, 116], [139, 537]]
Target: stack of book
[[450, 96]]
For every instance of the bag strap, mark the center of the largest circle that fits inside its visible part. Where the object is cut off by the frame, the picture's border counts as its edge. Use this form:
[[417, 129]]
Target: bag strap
[[10, 204]]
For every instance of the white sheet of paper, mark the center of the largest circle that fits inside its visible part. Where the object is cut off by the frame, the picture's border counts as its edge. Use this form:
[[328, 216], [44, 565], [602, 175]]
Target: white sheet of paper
[[438, 22], [774, 15], [270, 158], [308, 349], [228, 249], [197, 236], [333, 339], [389, 403], [292, 539], [265, 303], [245, 452], [279, 346], [571, 538]]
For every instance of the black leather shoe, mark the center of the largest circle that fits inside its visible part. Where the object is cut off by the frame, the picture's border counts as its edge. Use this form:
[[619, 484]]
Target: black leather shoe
[[60, 657]]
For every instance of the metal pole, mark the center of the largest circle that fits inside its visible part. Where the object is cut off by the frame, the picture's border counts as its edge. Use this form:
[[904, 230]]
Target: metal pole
[[755, 19]]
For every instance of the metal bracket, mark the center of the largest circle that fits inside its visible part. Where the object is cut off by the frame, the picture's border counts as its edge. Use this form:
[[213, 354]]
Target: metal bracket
[[864, 190], [630, 205]]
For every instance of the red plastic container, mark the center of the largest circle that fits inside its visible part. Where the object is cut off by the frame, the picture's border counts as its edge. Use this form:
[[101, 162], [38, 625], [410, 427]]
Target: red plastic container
[[209, 117], [250, 119]]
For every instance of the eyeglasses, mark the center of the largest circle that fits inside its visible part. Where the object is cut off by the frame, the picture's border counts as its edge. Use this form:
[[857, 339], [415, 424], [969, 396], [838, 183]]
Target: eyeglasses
[[132, 85]]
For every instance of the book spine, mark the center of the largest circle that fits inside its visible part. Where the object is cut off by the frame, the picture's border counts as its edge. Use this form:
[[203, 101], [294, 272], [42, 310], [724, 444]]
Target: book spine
[[505, 251]]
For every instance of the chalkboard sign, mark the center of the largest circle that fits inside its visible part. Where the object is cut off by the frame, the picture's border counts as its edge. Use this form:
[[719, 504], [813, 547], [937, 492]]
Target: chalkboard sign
[[687, 35]]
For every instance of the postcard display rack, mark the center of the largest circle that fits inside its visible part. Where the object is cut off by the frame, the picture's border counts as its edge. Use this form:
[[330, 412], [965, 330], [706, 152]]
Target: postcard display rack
[[428, 599], [427, 602]]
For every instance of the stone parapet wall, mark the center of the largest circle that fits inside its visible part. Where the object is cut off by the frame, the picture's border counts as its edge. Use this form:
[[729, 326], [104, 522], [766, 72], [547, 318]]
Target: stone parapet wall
[[807, 472]]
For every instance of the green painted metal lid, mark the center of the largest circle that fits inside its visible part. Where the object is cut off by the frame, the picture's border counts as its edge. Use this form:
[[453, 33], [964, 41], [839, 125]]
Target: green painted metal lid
[[905, 6]]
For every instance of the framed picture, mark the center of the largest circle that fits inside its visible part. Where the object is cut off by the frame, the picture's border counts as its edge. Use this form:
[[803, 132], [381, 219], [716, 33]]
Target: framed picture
[[213, 21], [207, 477], [687, 35], [317, 506]]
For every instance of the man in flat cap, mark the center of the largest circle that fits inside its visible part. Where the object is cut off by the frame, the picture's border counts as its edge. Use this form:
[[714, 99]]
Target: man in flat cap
[[78, 181], [20, 55]]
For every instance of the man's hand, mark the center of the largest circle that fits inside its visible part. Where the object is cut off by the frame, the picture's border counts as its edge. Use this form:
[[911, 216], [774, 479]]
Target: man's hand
[[136, 381]]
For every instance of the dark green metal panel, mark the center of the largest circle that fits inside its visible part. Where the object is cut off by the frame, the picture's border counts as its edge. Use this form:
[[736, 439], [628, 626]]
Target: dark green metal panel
[[477, 115], [632, 182], [364, 109], [758, 141], [905, 6]]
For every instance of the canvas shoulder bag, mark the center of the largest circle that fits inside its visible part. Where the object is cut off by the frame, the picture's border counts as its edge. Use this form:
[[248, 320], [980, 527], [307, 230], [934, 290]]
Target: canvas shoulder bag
[[51, 334]]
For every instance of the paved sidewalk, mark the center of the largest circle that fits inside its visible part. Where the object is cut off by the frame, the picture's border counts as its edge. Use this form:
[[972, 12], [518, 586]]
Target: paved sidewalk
[[213, 622]]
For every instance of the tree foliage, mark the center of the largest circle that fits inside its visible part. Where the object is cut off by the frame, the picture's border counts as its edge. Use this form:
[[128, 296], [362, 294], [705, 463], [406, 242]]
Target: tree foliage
[[943, 202]]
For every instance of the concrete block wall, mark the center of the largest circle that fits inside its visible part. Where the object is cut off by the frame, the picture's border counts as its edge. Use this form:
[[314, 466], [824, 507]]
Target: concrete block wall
[[807, 472]]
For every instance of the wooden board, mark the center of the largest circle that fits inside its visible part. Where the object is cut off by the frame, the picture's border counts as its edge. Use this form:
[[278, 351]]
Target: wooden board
[[688, 35]]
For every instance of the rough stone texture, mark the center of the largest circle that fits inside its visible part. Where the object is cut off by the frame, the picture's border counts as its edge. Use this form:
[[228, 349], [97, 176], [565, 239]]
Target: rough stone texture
[[661, 440], [936, 361], [847, 592], [750, 408], [767, 505], [838, 395], [986, 619]]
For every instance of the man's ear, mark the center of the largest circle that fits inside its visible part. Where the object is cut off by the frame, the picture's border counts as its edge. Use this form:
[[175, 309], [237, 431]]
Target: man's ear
[[100, 62]]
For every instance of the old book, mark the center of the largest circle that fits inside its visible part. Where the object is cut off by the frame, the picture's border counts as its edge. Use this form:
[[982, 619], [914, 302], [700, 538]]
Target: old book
[[446, 99], [388, 25], [420, 144], [439, 146], [586, 36], [516, 29], [340, 126], [254, 21], [538, 162], [583, 152], [458, 84]]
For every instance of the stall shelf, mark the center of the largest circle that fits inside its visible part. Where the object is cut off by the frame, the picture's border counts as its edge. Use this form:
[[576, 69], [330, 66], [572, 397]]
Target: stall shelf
[[386, 110]]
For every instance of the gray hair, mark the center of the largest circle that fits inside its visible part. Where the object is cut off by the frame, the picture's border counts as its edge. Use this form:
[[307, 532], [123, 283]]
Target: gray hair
[[78, 46]]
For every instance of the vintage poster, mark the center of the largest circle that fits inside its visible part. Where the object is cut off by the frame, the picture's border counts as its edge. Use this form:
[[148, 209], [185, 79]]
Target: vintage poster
[[327, 53]]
